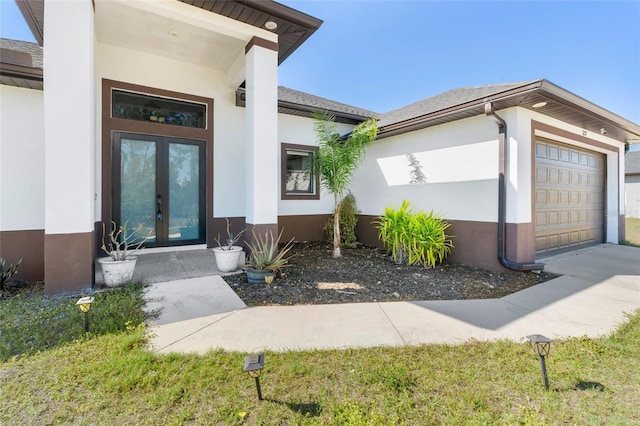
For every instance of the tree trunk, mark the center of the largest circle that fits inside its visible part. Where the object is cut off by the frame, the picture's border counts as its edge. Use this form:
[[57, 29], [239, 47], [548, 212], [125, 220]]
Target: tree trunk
[[336, 228]]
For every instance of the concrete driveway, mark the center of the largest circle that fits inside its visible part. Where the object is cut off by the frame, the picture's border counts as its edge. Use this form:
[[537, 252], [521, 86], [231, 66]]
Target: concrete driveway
[[598, 286]]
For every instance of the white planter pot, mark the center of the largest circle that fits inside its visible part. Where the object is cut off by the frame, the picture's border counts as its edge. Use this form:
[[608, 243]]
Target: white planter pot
[[228, 260], [117, 272]]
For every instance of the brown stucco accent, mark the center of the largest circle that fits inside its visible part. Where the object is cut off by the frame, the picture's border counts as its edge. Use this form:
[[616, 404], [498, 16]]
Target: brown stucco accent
[[520, 242], [261, 229], [283, 173], [260, 42], [366, 230], [110, 125], [27, 245], [219, 230], [622, 229], [303, 227], [69, 262]]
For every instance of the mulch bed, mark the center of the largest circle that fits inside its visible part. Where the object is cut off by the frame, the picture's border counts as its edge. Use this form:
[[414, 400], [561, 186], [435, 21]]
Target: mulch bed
[[368, 274]]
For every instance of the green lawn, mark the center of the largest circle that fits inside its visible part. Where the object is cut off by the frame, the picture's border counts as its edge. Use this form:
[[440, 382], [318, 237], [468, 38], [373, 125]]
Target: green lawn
[[632, 230], [110, 378]]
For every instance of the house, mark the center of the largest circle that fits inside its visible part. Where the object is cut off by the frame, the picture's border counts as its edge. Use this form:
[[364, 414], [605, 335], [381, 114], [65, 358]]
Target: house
[[632, 184], [168, 114]]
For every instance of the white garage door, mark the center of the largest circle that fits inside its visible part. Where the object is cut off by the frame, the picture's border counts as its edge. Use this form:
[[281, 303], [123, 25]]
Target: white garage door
[[569, 197]]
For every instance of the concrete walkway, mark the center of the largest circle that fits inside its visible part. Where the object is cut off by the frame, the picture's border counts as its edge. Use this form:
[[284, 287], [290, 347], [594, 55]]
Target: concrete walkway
[[599, 285]]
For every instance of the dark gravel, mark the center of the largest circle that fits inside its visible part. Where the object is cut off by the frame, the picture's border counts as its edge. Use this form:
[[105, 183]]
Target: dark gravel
[[367, 274]]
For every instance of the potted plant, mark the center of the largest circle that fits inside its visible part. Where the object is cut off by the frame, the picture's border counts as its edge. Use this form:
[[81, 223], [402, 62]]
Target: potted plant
[[265, 259], [123, 244], [228, 256]]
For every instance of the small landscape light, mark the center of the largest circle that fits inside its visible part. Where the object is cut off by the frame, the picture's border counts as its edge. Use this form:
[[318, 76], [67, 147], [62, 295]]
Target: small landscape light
[[84, 304], [541, 346], [253, 365]]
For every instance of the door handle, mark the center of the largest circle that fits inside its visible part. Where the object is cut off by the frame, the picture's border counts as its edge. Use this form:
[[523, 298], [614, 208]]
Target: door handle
[[159, 207]]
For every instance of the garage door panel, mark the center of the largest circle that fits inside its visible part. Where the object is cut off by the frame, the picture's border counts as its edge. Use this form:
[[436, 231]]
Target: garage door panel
[[569, 196]]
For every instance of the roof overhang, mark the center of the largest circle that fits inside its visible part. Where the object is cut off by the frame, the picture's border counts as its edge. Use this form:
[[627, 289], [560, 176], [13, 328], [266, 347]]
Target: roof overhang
[[560, 104], [302, 110], [294, 27], [16, 70]]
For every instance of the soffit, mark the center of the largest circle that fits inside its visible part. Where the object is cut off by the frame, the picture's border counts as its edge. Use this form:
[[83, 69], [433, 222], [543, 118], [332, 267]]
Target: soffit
[[293, 29], [146, 27]]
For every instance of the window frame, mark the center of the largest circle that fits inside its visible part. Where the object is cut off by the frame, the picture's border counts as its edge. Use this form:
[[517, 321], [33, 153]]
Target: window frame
[[284, 147]]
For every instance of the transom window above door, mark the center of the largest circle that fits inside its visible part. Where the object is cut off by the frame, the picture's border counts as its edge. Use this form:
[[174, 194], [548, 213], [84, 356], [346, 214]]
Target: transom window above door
[[299, 180], [141, 107]]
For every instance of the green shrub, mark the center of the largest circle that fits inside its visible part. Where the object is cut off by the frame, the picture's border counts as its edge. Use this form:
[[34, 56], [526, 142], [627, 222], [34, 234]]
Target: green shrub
[[348, 221], [6, 274], [414, 237]]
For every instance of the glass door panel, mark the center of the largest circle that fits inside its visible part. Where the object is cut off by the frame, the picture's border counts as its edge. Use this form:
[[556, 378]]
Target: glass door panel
[[159, 183], [138, 173], [184, 191]]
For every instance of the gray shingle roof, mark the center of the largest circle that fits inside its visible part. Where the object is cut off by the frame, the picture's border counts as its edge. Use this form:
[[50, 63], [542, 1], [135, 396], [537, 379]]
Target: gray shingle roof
[[317, 103], [632, 163], [445, 100], [32, 49]]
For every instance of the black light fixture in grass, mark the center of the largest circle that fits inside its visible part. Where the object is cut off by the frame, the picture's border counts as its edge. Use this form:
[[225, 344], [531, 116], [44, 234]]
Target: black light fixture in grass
[[253, 365], [541, 346], [84, 304]]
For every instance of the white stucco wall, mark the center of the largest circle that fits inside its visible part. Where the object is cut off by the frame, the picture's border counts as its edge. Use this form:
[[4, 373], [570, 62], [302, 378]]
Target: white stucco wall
[[21, 159], [632, 195], [69, 117], [126, 65], [299, 131], [459, 160], [261, 121]]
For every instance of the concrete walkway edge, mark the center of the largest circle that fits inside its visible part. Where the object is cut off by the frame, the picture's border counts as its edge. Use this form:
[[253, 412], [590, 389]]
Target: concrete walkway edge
[[598, 287]]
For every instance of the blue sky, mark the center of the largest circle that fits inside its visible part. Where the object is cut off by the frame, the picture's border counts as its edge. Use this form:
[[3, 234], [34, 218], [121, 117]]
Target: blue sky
[[382, 55]]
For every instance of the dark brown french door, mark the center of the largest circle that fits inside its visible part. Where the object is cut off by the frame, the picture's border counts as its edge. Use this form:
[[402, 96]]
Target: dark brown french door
[[159, 182]]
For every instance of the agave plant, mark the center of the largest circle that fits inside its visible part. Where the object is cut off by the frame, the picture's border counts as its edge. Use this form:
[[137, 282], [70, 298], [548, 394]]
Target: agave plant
[[265, 253]]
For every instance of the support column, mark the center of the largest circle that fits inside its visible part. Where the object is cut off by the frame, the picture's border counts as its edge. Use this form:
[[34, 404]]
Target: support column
[[69, 111], [262, 135]]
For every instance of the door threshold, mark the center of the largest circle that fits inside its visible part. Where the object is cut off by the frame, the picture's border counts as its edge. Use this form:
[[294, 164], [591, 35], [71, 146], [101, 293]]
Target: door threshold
[[153, 250]]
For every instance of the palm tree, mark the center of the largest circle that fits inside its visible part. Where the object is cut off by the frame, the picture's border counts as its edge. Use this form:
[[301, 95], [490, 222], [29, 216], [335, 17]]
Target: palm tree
[[338, 158]]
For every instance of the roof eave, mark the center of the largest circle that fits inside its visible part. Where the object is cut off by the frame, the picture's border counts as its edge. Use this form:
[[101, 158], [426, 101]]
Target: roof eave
[[284, 12], [541, 87], [427, 120], [30, 17], [584, 106], [20, 71]]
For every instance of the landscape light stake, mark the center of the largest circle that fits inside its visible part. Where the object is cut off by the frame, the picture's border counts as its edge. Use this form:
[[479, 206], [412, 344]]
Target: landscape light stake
[[541, 346], [253, 365], [84, 304]]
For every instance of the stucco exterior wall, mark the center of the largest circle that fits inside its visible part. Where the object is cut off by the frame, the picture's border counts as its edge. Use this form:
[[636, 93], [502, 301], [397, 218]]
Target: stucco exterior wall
[[22, 184], [459, 161], [632, 195]]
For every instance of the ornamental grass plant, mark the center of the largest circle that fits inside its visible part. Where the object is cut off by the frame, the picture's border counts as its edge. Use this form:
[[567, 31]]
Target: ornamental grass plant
[[414, 237]]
